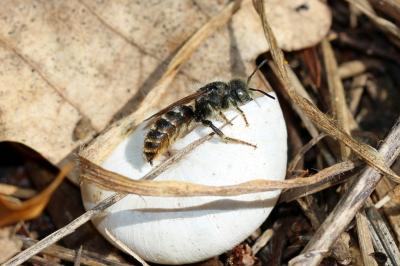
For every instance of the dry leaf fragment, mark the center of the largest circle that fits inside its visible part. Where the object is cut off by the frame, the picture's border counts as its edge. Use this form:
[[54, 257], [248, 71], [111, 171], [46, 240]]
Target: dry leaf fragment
[[12, 211]]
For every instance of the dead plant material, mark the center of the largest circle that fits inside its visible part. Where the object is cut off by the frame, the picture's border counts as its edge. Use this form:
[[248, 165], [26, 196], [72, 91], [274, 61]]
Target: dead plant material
[[335, 175], [12, 211], [384, 24], [120, 183], [17, 192], [364, 239], [338, 101], [293, 163], [356, 67], [262, 241], [311, 60], [126, 249], [379, 228], [86, 258]]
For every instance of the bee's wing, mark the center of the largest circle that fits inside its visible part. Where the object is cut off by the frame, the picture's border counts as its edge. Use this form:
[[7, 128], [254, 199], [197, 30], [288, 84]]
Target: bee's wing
[[182, 101]]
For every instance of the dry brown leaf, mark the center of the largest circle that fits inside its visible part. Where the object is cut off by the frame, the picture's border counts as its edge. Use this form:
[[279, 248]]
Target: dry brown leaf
[[70, 67], [10, 245], [12, 211]]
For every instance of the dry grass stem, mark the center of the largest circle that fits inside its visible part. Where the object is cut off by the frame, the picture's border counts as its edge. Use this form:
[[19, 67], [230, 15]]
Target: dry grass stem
[[338, 100], [293, 163], [395, 192], [116, 182], [356, 91], [78, 257], [364, 239], [389, 7], [356, 67], [383, 233], [122, 246], [334, 176]]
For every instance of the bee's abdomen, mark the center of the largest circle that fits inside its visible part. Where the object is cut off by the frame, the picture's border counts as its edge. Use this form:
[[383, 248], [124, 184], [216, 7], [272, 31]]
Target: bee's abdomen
[[165, 130]]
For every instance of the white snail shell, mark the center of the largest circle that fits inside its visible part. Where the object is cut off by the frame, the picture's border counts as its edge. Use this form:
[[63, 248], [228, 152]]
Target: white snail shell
[[177, 230]]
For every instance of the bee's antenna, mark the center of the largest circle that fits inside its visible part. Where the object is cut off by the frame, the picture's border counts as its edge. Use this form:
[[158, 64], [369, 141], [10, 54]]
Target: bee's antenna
[[263, 92], [255, 70]]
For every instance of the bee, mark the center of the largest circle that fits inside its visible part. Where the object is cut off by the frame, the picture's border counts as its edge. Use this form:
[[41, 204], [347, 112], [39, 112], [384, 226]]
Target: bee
[[208, 102]]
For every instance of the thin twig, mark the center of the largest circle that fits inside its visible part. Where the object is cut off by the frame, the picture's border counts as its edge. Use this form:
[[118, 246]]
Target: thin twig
[[334, 175], [293, 163], [356, 91], [125, 248], [78, 257], [87, 257], [364, 239], [338, 99], [382, 23], [262, 241], [356, 67], [383, 232], [395, 192]]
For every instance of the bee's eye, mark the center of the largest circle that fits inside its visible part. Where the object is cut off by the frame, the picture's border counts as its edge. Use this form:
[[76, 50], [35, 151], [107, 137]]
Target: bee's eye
[[242, 96]]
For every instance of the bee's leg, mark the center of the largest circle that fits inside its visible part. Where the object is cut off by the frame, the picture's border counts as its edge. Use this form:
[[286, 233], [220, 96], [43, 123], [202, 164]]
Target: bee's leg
[[243, 115], [226, 138], [227, 121]]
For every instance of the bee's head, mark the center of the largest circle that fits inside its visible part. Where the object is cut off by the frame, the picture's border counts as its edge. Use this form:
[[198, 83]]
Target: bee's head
[[249, 79], [239, 91]]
